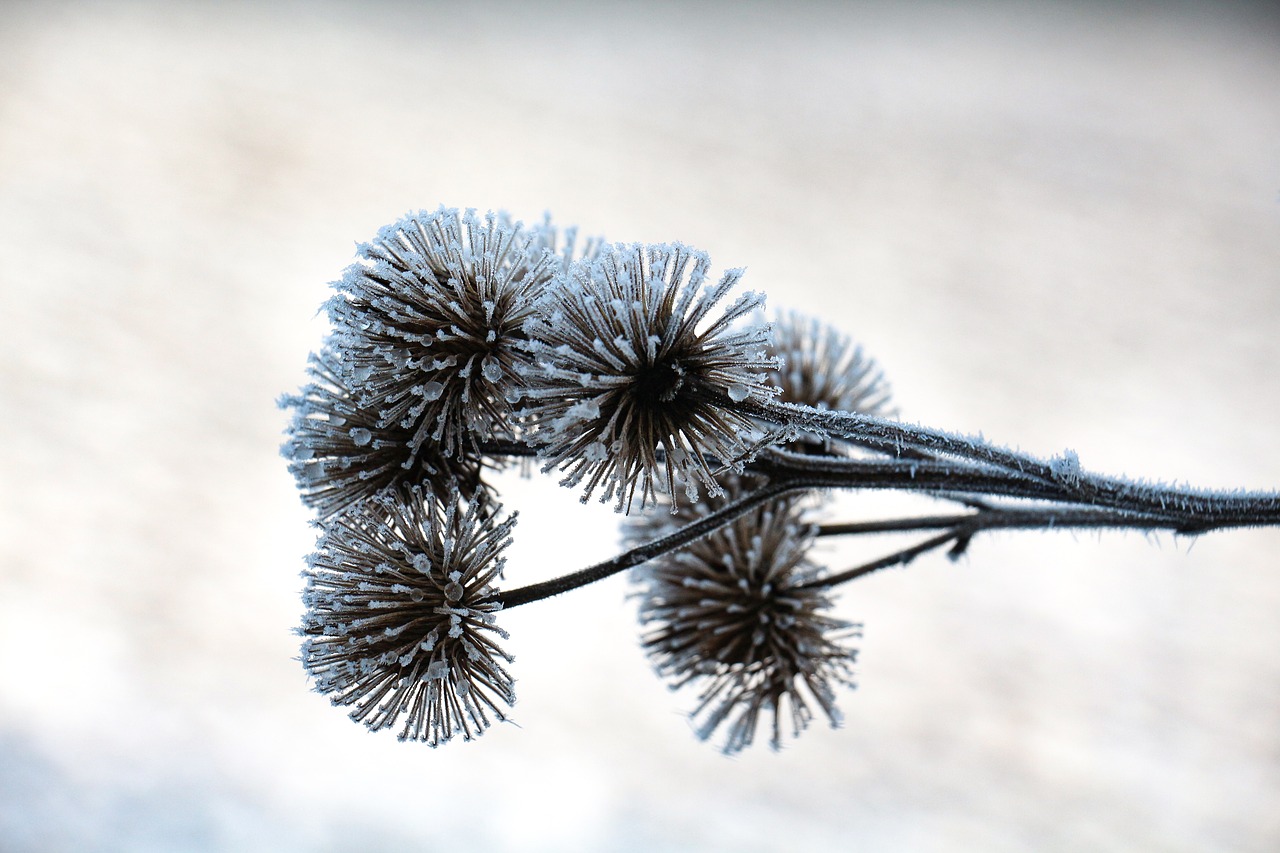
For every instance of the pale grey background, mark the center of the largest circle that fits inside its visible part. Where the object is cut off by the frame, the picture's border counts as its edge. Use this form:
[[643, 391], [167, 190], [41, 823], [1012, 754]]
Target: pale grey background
[[1058, 224]]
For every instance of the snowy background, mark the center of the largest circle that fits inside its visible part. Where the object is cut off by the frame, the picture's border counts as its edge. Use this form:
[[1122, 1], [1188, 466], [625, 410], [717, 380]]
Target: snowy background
[[1057, 224]]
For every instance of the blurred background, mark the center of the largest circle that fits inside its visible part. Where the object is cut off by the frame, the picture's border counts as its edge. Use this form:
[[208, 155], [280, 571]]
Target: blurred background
[[1054, 223]]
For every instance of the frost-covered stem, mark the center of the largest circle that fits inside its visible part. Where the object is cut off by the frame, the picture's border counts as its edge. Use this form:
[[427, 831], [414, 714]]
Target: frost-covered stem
[[1006, 518], [888, 436], [633, 557], [897, 558], [517, 449], [1194, 510], [912, 475], [959, 529], [945, 466]]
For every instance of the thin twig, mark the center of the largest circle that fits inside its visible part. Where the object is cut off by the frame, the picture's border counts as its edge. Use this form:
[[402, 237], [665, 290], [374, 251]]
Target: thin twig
[[1006, 518], [694, 530], [897, 558], [1194, 510]]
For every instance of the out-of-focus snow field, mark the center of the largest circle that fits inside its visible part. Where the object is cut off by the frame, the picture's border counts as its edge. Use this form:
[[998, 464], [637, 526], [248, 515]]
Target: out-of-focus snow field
[[1055, 224]]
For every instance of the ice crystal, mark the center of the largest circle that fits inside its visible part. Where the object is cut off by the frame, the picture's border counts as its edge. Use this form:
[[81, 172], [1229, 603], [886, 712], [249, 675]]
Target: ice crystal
[[633, 379], [400, 620]]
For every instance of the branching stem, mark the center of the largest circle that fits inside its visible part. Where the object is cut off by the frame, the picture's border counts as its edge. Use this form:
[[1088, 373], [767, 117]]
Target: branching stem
[[678, 539], [897, 558], [1195, 510], [960, 528], [967, 468]]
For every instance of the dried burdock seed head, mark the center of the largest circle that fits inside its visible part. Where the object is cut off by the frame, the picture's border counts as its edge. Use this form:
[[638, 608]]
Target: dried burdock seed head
[[633, 373], [341, 452], [431, 322], [731, 616], [400, 620], [822, 367]]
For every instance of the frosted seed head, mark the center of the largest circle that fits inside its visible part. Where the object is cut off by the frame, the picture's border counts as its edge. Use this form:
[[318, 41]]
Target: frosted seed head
[[730, 616], [641, 335], [816, 365], [391, 633], [447, 290]]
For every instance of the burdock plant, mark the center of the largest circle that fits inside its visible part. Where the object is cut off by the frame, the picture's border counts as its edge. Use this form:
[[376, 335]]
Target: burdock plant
[[400, 620], [630, 360], [462, 342]]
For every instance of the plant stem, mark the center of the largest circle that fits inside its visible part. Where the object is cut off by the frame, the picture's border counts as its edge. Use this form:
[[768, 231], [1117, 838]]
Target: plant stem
[[1194, 510], [960, 528], [942, 465], [677, 539], [1005, 518], [897, 558], [888, 436]]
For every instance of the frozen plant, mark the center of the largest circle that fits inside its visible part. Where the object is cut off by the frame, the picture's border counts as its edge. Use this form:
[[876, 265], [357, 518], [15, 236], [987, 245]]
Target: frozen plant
[[461, 343], [400, 622], [629, 360]]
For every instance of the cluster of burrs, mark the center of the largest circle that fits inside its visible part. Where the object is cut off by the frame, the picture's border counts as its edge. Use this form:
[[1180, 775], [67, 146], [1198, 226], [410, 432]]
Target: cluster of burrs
[[460, 343]]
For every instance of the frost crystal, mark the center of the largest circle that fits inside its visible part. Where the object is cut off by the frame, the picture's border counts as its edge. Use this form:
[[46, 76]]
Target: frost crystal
[[399, 620], [630, 359], [1066, 468]]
